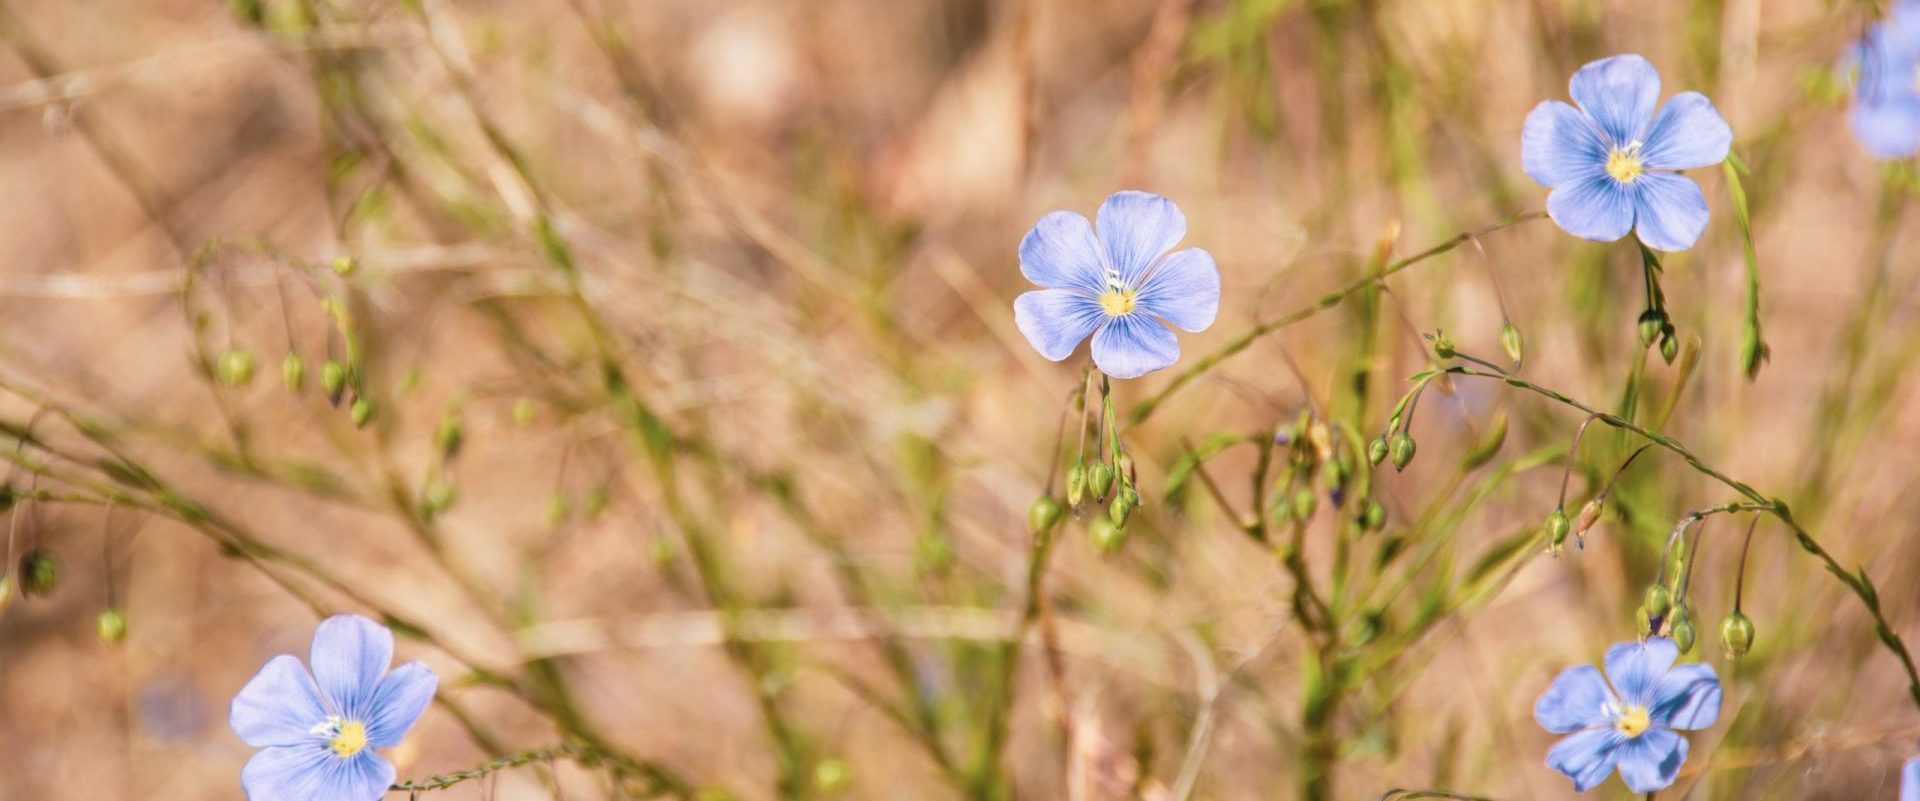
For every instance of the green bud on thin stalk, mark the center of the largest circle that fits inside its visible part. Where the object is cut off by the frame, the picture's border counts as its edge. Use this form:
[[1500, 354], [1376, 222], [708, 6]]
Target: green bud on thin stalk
[[361, 412], [1076, 483], [112, 626], [333, 379], [1557, 528], [39, 573], [1669, 344], [1376, 516], [1377, 452], [236, 367], [1651, 321], [1099, 480], [1401, 449], [1659, 600], [293, 372], [1510, 341], [1043, 514], [1680, 628], [1736, 635]]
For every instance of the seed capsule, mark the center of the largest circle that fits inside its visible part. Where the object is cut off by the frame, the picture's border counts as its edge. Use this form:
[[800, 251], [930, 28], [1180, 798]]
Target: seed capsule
[[1681, 629], [333, 379], [1736, 635], [1658, 600], [112, 625], [1557, 527], [1443, 345], [361, 412], [1099, 480], [1076, 483], [236, 367], [1377, 452], [1376, 517], [39, 573], [1401, 449], [1650, 322], [1510, 340], [1669, 345], [293, 371], [1044, 512]]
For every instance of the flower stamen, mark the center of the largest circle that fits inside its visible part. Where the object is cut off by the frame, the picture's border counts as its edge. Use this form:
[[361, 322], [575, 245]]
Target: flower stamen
[[1117, 301], [345, 737], [1624, 164], [1633, 721]]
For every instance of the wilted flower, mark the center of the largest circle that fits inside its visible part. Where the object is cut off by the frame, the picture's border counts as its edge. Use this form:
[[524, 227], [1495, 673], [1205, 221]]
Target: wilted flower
[[1119, 286], [1613, 162], [318, 730], [1886, 98], [1630, 723]]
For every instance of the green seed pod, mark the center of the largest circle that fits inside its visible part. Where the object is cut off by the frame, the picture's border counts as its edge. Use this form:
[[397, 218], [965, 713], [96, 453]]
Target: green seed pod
[[1753, 352], [1099, 480], [1645, 622], [1650, 322], [1376, 516], [344, 265], [333, 379], [1557, 527], [832, 775], [1305, 502], [236, 367], [449, 435], [1736, 635], [1107, 535], [1658, 600], [1669, 345], [1684, 635], [361, 412], [523, 411], [1121, 509], [1401, 449], [1044, 512], [112, 625], [1443, 345], [438, 498], [1377, 452], [293, 371], [39, 573], [1076, 483], [1510, 340]]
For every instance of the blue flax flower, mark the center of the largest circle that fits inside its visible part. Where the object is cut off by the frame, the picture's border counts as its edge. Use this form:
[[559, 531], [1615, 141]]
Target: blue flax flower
[[1613, 163], [317, 730], [1910, 781], [1119, 286], [1886, 100], [1630, 723]]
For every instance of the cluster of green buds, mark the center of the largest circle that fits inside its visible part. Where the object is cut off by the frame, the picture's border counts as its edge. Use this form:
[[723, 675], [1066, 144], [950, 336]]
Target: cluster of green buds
[[1656, 328], [1113, 484], [1395, 443], [1321, 456]]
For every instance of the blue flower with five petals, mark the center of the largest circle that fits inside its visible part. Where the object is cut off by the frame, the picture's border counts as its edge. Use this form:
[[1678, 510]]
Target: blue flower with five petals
[[1886, 98], [317, 730], [1631, 723], [1118, 286], [1613, 163]]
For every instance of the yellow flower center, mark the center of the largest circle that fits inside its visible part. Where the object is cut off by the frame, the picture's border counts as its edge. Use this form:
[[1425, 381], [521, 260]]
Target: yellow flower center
[[1633, 721], [1117, 301], [1624, 165], [349, 739]]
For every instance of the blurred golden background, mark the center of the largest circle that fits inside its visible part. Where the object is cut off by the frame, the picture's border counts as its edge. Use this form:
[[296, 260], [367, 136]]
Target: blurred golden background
[[718, 295]]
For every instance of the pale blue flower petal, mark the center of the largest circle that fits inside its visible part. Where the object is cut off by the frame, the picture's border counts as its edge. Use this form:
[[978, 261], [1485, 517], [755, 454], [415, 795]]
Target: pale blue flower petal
[[1910, 781], [1635, 668], [1652, 760], [1055, 320], [279, 706], [1587, 756], [1184, 290], [1619, 93], [1136, 228], [1134, 345], [1687, 698], [1577, 699], [1061, 252], [1687, 133], [402, 696], [314, 773], [1596, 208], [1669, 210], [1888, 129], [1561, 144], [349, 654]]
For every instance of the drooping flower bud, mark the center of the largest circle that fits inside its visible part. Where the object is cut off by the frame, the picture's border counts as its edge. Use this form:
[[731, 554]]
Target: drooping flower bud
[[1659, 600], [1377, 452], [236, 367], [1669, 344], [333, 379], [1376, 517], [1099, 480], [1510, 340], [361, 412], [1650, 322], [1736, 635], [1557, 529], [39, 573], [112, 625], [1044, 512], [293, 371], [1681, 629], [1076, 483], [1401, 449], [1443, 345], [1124, 503], [1305, 502]]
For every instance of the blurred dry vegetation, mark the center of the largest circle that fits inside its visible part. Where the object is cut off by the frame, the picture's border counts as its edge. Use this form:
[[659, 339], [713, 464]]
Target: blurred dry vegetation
[[719, 295]]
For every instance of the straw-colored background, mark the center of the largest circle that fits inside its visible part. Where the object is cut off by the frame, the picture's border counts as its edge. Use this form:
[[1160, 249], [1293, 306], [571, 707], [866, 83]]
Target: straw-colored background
[[795, 227]]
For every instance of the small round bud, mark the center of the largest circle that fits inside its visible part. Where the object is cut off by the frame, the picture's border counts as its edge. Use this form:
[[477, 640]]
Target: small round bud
[[1107, 535], [1401, 449], [1099, 480], [344, 265], [333, 379], [1510, 340], [1376, 516], [1443, 345], [1736, 635], [1124, 502], [1044, 512], [1669, 344], [1377, 452], [1650, 322], [293, 371], [1076, 483], [39, 573], [1658, 600], [112, 625], [832, 775], [1305, 502], [1557, 528], [523, 411], [236, 367], [361, 412], [1644, 623], [1680, 628]]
